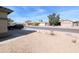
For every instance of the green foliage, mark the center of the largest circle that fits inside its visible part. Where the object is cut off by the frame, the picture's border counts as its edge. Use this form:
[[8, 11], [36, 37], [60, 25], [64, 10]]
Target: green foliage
[[54, 19], [11, 22]]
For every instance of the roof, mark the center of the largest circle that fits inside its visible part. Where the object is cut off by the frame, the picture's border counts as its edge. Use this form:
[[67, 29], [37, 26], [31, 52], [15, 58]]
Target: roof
[[28, 21], [70, 21], [76, 21], [5, 9], [66, 20]]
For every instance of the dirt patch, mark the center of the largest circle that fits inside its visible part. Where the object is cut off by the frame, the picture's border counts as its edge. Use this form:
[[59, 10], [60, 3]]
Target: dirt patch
[[42, 42]]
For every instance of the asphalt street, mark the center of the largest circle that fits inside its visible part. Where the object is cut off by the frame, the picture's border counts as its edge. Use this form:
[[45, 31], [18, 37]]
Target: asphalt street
[[57, 29]]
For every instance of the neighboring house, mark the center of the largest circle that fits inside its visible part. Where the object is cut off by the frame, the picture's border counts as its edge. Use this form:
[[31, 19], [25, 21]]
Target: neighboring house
[[43, 24], [30, 23], [76, 23], [4, 12], [68, 23]]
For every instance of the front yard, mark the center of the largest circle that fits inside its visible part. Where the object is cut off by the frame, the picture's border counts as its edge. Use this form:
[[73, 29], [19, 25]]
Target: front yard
[[42, 42]]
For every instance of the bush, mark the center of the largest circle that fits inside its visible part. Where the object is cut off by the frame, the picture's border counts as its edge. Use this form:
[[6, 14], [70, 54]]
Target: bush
[[17, 26], [54, 19], [10, 27]]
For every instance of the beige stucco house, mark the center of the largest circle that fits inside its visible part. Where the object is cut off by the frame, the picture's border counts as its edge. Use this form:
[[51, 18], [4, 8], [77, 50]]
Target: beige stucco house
[[36, 24], [43, 24], [68, 23], [4, 12]]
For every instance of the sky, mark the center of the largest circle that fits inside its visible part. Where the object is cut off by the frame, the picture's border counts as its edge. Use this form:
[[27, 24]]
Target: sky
[[36, 13]]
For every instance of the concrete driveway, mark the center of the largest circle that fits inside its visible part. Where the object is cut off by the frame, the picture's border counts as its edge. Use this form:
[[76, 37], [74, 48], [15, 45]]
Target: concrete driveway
[[16, 33]]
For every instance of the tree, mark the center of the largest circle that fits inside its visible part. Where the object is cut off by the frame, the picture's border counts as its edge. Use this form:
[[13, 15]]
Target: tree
[[10, 21], [54, 19]]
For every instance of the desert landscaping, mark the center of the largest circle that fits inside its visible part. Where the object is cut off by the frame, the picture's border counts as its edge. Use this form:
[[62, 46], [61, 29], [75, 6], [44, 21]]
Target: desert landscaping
[[42, 41], [24, 31]]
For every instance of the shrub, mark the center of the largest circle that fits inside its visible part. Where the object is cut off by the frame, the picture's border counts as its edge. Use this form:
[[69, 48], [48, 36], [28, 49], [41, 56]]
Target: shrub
[[17, 26]]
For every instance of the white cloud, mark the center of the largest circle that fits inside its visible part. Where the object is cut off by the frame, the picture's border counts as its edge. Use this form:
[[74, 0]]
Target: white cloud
[[19, 19], [34, 18], [70, 12], [38, 12], [39, 17]]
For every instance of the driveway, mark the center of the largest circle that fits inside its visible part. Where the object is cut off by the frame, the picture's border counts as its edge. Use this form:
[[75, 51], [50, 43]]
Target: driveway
[[16, 33]]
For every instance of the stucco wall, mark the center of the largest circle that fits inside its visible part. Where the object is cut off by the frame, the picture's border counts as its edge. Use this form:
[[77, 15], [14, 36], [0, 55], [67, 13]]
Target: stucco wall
[[3, 15], [67, 23], [3, 26], [42, 24]]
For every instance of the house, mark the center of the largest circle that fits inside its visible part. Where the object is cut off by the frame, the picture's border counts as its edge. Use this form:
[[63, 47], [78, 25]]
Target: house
[[69, 23], [43, 24], [76, 23], [30, 23], [4, 12]]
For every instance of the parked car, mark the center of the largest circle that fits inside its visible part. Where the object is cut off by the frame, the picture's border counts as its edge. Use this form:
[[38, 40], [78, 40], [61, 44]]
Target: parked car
[[17, 26], [10, 27]]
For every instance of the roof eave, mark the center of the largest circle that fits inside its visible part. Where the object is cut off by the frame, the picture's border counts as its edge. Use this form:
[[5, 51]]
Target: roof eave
[[6, 9]]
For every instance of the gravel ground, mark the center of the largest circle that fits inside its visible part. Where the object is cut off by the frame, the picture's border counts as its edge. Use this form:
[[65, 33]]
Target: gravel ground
[[39, 42]]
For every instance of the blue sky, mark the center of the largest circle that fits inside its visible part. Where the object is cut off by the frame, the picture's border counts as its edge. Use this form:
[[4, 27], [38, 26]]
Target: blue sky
[[36, 13]]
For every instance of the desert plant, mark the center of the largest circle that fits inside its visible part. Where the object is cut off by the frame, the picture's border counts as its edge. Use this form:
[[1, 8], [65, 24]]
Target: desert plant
[[54, 19]]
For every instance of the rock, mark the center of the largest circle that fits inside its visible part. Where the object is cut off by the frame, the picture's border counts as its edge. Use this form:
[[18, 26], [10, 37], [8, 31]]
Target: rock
[[45, 31], [74, 41]]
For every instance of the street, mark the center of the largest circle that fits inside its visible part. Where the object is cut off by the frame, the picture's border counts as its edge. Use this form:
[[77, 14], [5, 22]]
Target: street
[[57, 29]]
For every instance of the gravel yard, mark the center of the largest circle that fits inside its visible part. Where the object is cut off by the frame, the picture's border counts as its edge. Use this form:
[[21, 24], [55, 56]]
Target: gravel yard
[[42, 42]]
